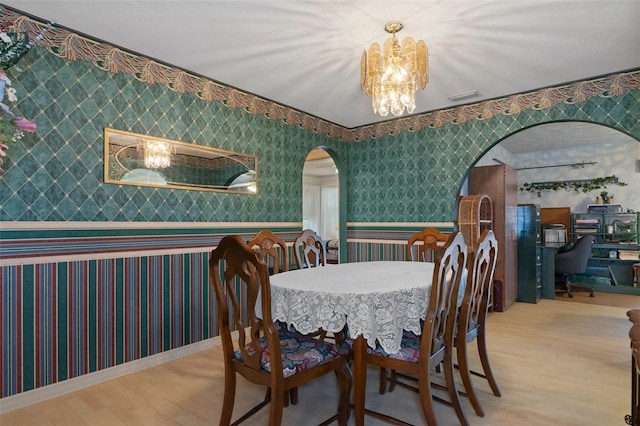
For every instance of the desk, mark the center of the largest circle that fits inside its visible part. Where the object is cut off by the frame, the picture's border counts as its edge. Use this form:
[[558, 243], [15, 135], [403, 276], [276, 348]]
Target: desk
[[548, 260], [376, 300]]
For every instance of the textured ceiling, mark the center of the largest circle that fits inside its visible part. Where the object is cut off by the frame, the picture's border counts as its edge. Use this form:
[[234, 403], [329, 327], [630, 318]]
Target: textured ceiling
[[562, 135], [306, 55]]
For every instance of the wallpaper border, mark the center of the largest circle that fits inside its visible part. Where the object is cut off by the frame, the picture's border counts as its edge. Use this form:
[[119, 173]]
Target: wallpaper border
[[69, 45]]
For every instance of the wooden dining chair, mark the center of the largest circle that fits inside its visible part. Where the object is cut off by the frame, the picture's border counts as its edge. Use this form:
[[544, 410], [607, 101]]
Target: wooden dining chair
[[428, 243], [634, 336], [272, 250], [262, 353], [473, 316], [420, 354], [310, 250], [471, 322]]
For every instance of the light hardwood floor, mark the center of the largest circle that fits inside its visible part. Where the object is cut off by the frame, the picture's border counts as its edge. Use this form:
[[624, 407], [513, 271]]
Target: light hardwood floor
[[602, 298], [557, 363]]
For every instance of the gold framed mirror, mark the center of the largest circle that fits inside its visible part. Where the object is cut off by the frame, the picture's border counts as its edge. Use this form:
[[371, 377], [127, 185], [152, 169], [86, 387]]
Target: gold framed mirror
[[135, 159]]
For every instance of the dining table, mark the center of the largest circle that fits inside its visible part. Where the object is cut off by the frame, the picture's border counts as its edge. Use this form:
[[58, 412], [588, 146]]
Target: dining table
[[375, 300]]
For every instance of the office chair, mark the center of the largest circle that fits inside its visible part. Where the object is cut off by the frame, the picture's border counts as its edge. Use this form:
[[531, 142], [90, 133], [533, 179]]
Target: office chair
[[574, 261]]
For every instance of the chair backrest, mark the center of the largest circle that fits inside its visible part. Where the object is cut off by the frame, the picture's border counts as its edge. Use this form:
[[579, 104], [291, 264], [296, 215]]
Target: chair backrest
[[574, 260], [310, 250], [439, 324], [238, 276], [428, 250], [271, 249], [481, 265]]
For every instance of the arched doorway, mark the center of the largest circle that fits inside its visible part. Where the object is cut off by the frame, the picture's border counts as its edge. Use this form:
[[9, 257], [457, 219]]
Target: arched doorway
[[549, 158], [569, 150], [321, 199]]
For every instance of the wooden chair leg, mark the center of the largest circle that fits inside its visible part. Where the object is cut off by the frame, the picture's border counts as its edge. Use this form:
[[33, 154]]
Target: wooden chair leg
[[228, 399], [465, 375], [293, 396], [383, 381], [277, 405], [393, 378], [426, 399], [486, 365], [451, 389]]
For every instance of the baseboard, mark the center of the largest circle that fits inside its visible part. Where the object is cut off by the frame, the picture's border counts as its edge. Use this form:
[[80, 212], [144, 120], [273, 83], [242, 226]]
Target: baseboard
[[34, 396]]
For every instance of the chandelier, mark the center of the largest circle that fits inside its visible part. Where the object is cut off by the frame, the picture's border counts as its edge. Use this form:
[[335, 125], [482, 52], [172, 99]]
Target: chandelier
[[157, 155], [391, 76]]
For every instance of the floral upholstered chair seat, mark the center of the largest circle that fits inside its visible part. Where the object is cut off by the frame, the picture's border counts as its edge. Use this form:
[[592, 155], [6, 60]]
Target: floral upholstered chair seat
[[409, 348], [299, 352]]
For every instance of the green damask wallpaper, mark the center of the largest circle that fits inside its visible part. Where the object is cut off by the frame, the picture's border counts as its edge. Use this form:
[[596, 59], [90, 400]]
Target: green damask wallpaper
[[57, 174], [416, 176]]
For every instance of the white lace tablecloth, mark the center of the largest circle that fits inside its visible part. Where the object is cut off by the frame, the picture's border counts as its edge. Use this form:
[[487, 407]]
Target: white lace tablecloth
[[375, 299]]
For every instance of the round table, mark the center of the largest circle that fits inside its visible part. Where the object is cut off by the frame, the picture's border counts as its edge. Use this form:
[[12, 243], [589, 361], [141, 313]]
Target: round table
[[377, 300]]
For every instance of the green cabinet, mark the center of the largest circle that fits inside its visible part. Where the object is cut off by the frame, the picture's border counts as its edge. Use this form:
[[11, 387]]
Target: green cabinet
[[529, 254]]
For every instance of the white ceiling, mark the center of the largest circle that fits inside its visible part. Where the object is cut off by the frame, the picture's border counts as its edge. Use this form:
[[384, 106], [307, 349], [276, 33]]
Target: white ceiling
[[306, 54], [563, 135]]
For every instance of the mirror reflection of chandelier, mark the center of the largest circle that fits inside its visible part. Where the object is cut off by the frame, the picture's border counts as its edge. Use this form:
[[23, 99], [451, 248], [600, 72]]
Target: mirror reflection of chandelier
[[393, 75], [157, 154]]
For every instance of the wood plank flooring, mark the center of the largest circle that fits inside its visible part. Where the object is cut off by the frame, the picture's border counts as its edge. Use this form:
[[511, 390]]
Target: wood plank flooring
[[607, 299], [557, 363]]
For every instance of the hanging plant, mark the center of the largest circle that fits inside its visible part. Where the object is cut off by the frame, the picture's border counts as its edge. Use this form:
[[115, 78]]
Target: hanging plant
[[585, 185], [13, 46]]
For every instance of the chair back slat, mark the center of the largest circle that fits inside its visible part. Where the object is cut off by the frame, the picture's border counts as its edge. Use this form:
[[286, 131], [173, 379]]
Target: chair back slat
[[426, 243], [475, 304], [238, 277], [310, 250], [271, 249], [440, 320]]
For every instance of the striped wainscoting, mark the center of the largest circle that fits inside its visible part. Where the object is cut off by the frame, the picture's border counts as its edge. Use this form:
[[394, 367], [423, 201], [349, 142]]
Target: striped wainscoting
[[385, 241], [61, 318], [65, 319], [81, 298]]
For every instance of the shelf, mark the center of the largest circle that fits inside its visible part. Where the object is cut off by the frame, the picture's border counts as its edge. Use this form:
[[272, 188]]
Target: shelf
[[617, 246], [604, 263], [612, 260], [606, 227], [475, 214]]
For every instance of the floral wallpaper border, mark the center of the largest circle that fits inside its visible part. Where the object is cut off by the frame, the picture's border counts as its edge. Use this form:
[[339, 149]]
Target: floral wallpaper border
[[66, 44]]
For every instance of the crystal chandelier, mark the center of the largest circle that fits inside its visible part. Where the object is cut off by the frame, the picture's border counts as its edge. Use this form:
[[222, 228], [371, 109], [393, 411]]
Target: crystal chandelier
[[157, 155], [392, 76]]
